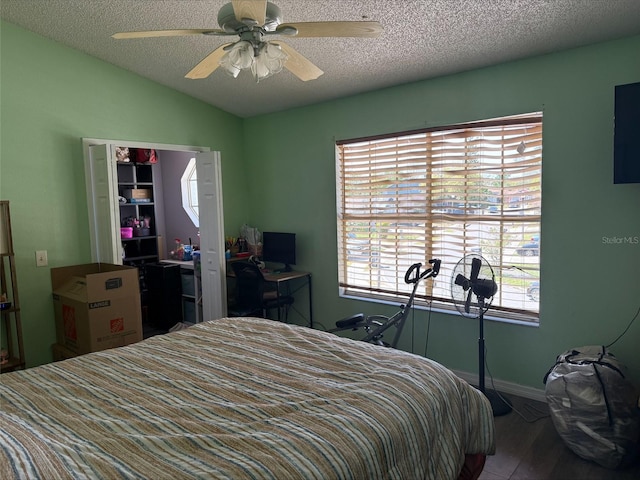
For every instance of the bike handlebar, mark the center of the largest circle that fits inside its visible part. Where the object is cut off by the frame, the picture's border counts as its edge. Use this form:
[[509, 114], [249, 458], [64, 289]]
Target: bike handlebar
[[430, 272]]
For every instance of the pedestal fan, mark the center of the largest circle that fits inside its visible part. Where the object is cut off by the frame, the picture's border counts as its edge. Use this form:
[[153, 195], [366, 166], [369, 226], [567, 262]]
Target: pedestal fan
[[473, 276]]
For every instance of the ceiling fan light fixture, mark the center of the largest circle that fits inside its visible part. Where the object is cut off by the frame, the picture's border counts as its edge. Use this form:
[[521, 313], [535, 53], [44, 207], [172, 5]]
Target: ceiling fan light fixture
[[231, 70], [272, 56], [260, 70], [241, 55], [238, 57], [268, 59]]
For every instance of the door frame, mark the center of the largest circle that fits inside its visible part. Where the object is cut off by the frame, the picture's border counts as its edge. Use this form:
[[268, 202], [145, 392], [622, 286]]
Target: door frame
[[88, 142], [91, 207]]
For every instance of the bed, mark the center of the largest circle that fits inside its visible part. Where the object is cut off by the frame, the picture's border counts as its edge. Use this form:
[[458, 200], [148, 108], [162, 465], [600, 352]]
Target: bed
[[240, 398]]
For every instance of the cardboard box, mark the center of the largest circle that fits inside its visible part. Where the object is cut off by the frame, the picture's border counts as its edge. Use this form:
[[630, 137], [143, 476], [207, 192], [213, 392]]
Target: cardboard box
[[137, 193], [97, 306]]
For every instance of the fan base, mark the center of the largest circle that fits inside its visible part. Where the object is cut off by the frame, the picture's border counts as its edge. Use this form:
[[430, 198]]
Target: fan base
[[500, 404]]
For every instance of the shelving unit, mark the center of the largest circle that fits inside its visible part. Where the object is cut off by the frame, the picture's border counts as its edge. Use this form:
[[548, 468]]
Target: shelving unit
[[12, 338], [136, 185], [138, 194]]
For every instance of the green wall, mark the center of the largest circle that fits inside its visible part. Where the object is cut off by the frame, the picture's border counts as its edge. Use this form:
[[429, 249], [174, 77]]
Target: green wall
[[51, 97], [590, 290]]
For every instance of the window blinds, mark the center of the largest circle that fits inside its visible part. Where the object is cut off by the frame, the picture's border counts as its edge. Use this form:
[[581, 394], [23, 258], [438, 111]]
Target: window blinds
[[443, 193]]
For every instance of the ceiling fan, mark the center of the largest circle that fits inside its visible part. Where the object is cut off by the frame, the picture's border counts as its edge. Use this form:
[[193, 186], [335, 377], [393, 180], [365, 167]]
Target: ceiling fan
[[255, 21]]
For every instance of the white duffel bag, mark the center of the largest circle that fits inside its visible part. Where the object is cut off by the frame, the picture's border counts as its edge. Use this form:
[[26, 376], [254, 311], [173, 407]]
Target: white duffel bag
[[593, 406]]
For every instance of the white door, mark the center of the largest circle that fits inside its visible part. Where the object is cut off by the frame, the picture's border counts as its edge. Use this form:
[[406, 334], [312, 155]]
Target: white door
[[103, 206], [214, 286]]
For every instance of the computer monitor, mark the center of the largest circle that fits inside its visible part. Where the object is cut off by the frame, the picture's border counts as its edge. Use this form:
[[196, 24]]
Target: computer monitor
[[279, 247]]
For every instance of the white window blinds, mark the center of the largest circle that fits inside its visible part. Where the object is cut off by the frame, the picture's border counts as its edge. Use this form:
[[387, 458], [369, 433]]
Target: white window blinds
[[443, 193]]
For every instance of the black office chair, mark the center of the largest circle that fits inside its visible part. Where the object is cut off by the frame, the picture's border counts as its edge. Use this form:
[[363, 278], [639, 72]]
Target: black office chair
[[252, 298]]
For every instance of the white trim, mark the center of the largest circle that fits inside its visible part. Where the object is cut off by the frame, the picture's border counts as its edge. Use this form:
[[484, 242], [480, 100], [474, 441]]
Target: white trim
[[435, 308], [505, 387], [86, 142], [211, 298], [111, 144]]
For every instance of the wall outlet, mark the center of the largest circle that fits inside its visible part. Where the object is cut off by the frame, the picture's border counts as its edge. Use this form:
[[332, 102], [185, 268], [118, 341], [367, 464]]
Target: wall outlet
[[41, 258]]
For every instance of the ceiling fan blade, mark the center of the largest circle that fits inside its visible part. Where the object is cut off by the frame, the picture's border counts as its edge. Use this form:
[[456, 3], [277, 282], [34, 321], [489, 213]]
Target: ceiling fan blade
[[476, 263], [298, 64], [250, 9], [168, 33], [207, 66], [335, 29]]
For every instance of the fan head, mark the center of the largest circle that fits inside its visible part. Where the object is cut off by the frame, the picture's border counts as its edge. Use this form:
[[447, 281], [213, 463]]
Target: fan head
[[472, 278]]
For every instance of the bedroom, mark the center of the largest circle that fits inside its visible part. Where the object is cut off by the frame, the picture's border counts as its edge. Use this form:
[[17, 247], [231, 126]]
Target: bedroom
[[62, 95]]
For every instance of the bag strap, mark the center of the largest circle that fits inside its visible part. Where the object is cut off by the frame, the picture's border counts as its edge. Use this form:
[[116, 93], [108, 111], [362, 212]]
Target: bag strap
[[604, 394], [569, 358]]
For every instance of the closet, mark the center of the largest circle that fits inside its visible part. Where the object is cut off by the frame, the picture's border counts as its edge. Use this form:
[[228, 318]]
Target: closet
[[119, 191]]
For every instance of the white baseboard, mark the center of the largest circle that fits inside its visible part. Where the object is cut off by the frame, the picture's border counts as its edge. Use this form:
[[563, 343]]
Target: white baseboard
[[523, 391]]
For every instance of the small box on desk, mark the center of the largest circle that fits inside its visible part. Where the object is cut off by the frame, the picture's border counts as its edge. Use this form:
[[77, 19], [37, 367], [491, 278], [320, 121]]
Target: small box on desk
[[97, 306]]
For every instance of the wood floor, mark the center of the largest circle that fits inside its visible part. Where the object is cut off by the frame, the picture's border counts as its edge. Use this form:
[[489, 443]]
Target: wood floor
[[535, 451]]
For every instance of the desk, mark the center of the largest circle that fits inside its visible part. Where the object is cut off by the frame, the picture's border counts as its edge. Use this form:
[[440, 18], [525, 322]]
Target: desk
[[281, 279], [285, 278]]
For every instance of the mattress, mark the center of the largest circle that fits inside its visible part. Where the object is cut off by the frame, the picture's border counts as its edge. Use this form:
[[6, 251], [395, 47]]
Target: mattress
[[240, 398]]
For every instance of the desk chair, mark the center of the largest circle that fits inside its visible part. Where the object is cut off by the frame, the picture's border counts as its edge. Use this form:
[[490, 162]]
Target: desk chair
[[252, 297]]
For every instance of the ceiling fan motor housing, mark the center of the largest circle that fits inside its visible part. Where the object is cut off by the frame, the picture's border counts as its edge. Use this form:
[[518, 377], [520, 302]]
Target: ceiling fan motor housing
[[229, 23]]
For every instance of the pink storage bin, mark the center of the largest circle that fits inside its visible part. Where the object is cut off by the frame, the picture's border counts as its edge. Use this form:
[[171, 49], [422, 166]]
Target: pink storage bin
[[126, 232]]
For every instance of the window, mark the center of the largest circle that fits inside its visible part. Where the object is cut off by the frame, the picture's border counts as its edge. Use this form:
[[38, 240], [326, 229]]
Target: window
[[443, 193], [189, 188]]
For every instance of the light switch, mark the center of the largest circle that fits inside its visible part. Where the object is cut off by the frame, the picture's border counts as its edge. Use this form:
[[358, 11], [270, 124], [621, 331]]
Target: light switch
[[41, 258]]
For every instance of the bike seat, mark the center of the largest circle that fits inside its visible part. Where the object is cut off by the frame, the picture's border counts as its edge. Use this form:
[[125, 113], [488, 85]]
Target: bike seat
[[352, 321]]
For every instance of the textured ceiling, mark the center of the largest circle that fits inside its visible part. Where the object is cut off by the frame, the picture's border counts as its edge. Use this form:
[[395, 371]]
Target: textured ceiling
[[422, 39]]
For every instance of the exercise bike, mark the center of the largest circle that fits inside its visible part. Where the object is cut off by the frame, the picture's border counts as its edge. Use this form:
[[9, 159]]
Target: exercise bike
[[376, 325]]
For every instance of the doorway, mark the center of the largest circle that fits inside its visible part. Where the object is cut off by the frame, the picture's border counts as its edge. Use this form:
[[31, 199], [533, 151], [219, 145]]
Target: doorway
[[104, 215]]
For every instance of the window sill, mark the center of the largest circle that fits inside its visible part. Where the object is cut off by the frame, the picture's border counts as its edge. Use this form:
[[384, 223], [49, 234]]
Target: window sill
[[533, 322]]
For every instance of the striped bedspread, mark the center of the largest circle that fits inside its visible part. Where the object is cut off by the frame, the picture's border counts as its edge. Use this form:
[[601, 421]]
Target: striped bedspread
[[241, 398]]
